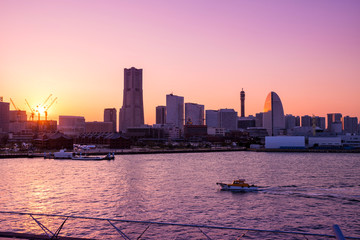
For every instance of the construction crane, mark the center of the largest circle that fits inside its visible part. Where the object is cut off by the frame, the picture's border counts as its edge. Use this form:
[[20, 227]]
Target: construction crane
[[47, 108], [18, 113], [31, 110]]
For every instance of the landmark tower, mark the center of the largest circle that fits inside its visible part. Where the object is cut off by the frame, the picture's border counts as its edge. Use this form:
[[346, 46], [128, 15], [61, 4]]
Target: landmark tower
[[132, 112], [242, 99]]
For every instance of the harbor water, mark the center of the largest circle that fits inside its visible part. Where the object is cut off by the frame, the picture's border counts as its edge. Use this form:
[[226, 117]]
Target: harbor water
[[301, 192]]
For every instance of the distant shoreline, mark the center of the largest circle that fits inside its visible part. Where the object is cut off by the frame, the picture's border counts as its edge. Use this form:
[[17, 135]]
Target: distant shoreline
[[163, 151]]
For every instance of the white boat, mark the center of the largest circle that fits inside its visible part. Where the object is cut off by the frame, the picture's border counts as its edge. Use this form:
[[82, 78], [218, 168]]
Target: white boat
[[109, 156], [238, 185], [63, 155]]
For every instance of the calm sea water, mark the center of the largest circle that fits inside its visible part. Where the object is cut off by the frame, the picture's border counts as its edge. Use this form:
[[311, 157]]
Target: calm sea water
[[303, 192]]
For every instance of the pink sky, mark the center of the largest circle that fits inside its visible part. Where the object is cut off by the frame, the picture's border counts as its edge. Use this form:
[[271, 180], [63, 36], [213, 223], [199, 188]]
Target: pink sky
[[308, 52]]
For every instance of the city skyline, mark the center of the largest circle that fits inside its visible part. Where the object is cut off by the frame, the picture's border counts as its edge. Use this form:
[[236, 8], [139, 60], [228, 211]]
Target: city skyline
[[207, 52]]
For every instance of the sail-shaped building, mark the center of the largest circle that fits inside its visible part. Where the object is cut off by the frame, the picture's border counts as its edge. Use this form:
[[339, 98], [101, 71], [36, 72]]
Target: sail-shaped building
[[273, 118]]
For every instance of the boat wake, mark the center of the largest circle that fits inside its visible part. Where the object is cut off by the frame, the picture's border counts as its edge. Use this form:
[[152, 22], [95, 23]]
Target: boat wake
[[319, 193]]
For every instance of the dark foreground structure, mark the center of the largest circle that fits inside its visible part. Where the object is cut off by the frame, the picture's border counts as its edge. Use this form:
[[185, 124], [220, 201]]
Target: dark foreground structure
[[121, 226]]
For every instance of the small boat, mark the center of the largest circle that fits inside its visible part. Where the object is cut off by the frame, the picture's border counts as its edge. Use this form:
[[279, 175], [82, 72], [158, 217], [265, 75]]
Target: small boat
[[62, 154], [109, 156], [238, 185]]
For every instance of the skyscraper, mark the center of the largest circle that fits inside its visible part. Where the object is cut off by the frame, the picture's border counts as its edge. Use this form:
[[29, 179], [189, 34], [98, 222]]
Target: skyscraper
[[273, 118], [194, 114], [110, 116], [132, 112], [160, 115], [242, 98], [175, 110]]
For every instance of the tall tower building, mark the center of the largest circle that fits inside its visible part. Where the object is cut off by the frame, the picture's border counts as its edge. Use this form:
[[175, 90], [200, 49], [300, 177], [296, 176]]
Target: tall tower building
[[242, 99], [132, 112], [110, 116], [175, 110], [160, 115], [194, 114], [273, 118]]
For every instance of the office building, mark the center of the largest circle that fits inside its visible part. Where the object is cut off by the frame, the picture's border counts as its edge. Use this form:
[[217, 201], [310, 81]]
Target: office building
[[132, 112], [194, 114], [18, 116], [110, 116], [242, 99], [259, 120], [212, 118], [228, 119], [246, 122], [333, 119], [290, 121], [306, 121], [319, 122], [99, 127], [71, 125], [273, 118], [160, 114], [4, 117], [175, 110], [351, 125]]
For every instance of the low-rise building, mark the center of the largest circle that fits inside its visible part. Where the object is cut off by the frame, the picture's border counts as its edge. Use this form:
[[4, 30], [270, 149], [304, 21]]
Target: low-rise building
[[325, 142], [290, 142]]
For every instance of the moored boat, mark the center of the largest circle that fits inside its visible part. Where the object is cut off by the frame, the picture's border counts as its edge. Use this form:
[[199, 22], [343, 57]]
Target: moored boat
[[237, 185], [109, 156], [62, 154]]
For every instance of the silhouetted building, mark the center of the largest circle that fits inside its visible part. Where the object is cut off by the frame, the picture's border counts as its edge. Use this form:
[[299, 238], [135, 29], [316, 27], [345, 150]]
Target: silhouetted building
[[290, 121], [228, 119], [212, 118], [244, 123], [195, 131], [118, 141], [319, 122], [333, 119], [71, 125], [18, 116], [242, 99], [175, 110], [53, 141], [110, 116], [259, 120], [160, 115], [273, 120], [99, 127], [350, 125], [306, 121], [132, 111], [4, 117], [194, 114]]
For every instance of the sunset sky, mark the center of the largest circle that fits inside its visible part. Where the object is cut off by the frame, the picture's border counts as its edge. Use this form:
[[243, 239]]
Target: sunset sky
[[307, 51]]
